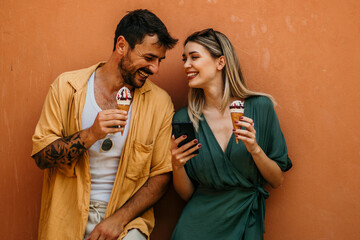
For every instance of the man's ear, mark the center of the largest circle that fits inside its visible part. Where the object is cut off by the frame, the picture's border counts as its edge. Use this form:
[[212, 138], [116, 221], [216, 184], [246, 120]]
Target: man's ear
[[221, 63], [121, 45]]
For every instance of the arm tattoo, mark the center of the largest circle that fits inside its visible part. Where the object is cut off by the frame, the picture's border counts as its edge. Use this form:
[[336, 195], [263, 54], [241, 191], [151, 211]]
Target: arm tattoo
[[61, 152]]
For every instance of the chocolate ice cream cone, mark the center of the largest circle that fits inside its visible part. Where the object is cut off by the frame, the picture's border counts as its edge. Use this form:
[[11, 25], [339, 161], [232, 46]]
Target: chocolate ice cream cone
[[123, 99], [123, 107], [236, 111], [236, 117]]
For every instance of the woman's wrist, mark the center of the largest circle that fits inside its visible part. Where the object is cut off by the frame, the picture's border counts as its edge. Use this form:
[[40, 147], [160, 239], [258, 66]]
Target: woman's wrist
[[177, 167], [257, 151]]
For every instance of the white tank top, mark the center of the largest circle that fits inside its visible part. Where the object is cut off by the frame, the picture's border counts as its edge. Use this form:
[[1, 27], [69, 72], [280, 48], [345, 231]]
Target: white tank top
[[103, 165]]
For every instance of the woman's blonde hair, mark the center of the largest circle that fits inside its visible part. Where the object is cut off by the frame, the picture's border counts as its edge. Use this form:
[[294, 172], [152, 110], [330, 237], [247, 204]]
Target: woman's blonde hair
[[234, 84]]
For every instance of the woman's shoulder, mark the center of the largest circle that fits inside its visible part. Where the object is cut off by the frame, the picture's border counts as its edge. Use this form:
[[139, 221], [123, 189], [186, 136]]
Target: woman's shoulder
[[260, 101], [181, 115]]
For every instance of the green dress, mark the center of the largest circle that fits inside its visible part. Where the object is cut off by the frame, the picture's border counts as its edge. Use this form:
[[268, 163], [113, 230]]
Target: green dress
[[229, 198]]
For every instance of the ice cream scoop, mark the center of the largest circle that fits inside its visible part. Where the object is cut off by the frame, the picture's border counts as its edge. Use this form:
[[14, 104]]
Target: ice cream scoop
[[123, 99], [237, 110]]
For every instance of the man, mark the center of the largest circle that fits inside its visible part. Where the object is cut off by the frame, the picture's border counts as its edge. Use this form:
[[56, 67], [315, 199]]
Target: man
[[104, 167]]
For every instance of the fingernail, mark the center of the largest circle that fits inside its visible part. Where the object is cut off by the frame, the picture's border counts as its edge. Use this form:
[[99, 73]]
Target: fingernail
[[236, 121], [195, 141], [184, 136], [234, 130], [241, 117], [199, 145]]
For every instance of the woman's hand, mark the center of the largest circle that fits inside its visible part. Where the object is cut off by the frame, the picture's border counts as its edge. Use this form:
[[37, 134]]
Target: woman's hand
[[180, 155], [247, 135]]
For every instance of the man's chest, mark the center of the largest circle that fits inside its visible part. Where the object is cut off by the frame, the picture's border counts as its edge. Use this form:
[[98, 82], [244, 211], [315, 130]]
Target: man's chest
[[105, 101]]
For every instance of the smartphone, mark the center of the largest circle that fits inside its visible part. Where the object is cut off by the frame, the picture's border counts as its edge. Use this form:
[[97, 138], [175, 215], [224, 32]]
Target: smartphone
[[184, 128]]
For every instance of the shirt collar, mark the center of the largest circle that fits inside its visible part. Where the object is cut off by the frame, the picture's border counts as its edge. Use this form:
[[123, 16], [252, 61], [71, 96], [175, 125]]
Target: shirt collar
[[80, 79], [146, 87]]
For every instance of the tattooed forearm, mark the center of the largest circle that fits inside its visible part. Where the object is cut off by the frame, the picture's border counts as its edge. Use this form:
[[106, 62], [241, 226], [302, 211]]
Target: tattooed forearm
[[61, 152]]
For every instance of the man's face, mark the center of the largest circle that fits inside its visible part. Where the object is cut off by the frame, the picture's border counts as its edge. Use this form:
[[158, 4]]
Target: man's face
[[142, 61]]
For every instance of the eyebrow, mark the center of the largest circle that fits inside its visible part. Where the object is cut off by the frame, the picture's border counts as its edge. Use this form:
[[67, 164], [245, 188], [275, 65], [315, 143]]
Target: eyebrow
[[190, 53]]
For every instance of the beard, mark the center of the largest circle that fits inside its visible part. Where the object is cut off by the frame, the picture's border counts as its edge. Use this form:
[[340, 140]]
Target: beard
[[128, 72]]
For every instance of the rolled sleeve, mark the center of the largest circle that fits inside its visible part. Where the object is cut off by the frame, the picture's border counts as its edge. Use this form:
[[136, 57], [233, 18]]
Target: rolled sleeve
[[275, 142], [49, 127]]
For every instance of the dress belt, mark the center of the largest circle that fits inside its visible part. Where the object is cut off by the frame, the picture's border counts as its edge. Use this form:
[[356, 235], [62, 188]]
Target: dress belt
[[260, 194]]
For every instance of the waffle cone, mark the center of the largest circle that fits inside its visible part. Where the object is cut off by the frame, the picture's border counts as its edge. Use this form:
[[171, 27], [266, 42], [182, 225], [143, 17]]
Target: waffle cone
[[236, 117], [125, 108]]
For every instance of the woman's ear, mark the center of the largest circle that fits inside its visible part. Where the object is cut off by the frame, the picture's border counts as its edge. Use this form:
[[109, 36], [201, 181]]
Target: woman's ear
[[221, 63]]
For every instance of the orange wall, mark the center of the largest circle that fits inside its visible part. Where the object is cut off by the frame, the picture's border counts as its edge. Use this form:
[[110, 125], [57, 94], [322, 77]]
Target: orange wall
[[305, 53]]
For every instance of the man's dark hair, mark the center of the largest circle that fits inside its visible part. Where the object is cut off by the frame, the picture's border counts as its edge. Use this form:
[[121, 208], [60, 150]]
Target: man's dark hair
[[138, 23]]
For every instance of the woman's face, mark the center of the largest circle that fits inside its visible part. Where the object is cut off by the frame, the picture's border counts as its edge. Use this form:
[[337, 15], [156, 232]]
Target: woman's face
[[200, 67]]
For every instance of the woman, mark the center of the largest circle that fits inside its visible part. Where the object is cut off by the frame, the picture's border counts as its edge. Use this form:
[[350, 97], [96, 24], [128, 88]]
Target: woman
[[223, 184]]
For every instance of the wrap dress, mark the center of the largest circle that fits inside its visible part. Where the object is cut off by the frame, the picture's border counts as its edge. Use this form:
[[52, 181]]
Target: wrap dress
[[229, 198]]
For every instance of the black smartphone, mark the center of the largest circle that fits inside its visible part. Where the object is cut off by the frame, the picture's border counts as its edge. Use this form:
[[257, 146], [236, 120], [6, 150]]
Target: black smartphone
[[184, 128]]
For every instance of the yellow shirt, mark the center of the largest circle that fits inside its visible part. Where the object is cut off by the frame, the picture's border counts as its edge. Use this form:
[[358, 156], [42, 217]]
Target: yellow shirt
[[66, 189]]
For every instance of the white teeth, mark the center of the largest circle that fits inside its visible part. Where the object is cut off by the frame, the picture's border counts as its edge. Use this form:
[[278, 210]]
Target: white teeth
[[143, 74], [191, 74]]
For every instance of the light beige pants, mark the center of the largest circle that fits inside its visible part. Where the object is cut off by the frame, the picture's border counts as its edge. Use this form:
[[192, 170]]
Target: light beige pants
[[96, 215]]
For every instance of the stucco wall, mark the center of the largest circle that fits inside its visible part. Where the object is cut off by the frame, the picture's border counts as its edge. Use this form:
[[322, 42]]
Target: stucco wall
[[305, 53]]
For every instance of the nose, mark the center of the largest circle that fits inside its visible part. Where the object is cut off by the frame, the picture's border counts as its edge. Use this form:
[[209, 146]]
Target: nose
[[154, 66], [187, 64]]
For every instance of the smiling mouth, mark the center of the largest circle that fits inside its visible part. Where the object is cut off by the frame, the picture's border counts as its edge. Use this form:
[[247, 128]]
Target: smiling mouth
[[143, 74], [191, 75]]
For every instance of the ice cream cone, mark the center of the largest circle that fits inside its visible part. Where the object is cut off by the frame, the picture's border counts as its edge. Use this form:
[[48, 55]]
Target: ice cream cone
[[123, 107], [123, 99], [236, 111]]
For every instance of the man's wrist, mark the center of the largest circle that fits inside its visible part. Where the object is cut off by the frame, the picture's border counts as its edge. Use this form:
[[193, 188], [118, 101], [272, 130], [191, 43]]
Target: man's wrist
[[88, 138], [121, 217]]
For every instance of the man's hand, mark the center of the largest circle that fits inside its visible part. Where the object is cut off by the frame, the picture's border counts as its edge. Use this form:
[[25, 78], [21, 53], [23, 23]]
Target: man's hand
[[106, 120], [109, 229], [145, 198], [65, 151]]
